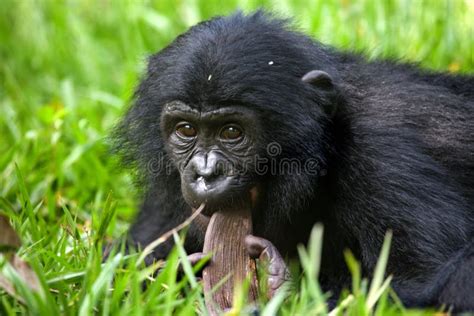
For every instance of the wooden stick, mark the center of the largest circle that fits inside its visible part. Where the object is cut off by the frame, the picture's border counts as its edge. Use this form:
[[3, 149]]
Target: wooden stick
[[225, 239]]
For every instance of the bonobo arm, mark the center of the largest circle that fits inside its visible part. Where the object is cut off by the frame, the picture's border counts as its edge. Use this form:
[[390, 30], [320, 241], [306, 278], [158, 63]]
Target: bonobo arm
[[450, 286], [459, 288]]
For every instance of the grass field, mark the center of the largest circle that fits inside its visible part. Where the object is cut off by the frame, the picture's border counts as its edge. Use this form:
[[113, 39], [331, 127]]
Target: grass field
[[67, 72]]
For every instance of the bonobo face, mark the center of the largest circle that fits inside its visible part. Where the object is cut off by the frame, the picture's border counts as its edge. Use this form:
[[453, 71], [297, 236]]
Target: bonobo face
[[213, 150]]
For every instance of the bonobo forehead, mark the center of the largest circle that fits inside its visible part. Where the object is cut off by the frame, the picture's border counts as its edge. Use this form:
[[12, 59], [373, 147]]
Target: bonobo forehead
[[181, 110], [241, 59]]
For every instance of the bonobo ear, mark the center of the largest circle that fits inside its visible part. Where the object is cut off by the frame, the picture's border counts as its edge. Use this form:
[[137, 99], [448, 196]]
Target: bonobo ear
[[318, 78], [323, 81]]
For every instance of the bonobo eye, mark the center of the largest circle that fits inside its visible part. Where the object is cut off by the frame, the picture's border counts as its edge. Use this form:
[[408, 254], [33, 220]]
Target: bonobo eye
[[230, 132], [185, 130]]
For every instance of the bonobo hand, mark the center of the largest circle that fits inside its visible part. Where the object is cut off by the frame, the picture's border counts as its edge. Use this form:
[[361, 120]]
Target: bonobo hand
[[264, 250], [194, 259]]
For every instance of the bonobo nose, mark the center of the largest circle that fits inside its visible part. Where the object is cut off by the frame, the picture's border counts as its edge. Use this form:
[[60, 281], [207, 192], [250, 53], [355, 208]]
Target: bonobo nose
[[204, 180], [207, 168]]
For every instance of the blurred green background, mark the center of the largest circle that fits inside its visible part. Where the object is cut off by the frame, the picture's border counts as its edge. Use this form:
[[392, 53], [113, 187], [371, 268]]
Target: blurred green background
[[68, 70]]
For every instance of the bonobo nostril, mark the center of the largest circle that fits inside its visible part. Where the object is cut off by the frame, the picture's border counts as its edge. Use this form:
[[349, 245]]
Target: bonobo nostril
[[207, 167]]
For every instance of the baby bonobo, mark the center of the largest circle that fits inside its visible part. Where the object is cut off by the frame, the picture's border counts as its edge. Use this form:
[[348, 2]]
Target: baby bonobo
[[243, 106]]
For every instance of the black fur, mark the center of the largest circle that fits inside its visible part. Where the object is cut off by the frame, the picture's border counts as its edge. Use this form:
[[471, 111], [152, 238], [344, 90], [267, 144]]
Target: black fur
[[398, 152]]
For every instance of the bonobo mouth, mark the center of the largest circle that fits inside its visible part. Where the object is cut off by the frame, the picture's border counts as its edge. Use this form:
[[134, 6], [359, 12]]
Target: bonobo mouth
[[218, 198]]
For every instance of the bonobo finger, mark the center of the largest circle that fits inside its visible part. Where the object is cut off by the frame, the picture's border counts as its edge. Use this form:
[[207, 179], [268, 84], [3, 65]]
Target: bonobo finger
[[256, 246], [196, 257], [193, 260], [260, 248]]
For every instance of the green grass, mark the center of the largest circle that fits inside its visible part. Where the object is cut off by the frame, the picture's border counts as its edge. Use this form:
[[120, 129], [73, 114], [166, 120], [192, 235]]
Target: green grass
[[67, 72]]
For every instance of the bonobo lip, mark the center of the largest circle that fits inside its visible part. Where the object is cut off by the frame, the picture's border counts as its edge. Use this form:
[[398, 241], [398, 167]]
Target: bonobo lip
[[210, 193], [219, 197]]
